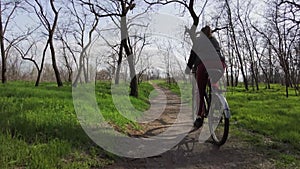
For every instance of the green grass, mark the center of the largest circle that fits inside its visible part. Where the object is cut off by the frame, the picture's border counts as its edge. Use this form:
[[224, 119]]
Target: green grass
[[268, 115], [39, 127], [107, 108], [267, 112]]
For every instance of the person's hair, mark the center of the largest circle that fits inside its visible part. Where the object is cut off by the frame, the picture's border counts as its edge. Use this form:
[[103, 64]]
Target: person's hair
[[207, 31]]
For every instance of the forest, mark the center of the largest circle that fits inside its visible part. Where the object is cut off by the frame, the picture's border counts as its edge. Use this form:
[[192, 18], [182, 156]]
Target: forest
[[58, 40]]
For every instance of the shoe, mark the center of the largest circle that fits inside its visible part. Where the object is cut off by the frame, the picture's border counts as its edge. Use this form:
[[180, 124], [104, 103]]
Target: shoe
[[198, 122]]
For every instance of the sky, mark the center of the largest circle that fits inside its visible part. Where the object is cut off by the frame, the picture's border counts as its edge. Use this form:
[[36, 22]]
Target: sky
[[165, 24]]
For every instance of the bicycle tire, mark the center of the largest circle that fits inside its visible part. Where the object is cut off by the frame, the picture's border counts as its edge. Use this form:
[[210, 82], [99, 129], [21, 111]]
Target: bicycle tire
[[218, 123]]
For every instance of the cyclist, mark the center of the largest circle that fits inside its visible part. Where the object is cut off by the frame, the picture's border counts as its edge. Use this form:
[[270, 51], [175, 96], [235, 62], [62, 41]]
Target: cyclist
[[195, 63]]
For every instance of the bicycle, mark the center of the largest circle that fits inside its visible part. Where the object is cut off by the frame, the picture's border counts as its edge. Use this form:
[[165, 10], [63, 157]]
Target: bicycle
[[217, 112]]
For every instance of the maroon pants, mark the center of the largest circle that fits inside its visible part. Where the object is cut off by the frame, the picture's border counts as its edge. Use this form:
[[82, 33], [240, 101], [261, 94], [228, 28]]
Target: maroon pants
[[202, 80]]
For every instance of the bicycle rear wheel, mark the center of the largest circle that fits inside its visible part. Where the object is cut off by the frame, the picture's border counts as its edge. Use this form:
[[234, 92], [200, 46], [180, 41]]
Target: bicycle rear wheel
[[218, 122]]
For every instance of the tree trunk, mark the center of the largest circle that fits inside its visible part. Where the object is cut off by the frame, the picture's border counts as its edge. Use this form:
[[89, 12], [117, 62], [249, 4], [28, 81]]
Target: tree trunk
[[54, 65], [117, 79], [231, 68], [37, 82], [285, 66], [126, 44], [86, 70], [133, 82], [75, 83], [227, 77], [256, 76], [286, 87], [52, 50], [4, 78], [68, 66]]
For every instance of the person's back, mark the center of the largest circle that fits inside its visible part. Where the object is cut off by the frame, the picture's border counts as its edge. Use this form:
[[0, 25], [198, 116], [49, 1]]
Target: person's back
[[202, 51], [216, 44]]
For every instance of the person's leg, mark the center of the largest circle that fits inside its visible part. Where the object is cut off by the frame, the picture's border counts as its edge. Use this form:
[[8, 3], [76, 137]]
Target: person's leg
[[202, 79]]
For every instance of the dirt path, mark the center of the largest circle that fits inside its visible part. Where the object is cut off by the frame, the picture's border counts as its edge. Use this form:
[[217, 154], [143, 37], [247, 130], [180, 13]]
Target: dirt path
[[190, 153]]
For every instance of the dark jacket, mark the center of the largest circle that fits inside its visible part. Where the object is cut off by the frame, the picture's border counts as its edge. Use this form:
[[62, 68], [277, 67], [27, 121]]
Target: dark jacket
[[194, 60]]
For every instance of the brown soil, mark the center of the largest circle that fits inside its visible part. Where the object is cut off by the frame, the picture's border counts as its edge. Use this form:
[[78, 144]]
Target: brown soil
[[190, 153]]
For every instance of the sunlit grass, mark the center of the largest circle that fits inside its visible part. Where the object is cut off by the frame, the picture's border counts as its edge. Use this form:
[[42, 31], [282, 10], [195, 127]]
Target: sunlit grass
[[267, 112], [40, 129]]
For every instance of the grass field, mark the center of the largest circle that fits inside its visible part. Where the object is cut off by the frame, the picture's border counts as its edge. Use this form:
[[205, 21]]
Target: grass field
[[268, 112], [268, 120], [39, 128]]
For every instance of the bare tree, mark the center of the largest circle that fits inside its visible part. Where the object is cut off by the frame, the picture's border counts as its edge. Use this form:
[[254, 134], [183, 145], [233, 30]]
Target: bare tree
[[293, 10], [82, 28], [50, 25], [284, 36], [232, 63], [7, 11], [235, 42], [118, 11], [66, 59], [248, 38], [125, 43], [29, 52], [112, 58], [295, 66], [139, 44], [68, 51], [265, 64]]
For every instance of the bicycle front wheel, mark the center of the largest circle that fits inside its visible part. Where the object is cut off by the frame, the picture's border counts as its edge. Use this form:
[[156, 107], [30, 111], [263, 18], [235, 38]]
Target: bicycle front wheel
[[218, 123]]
